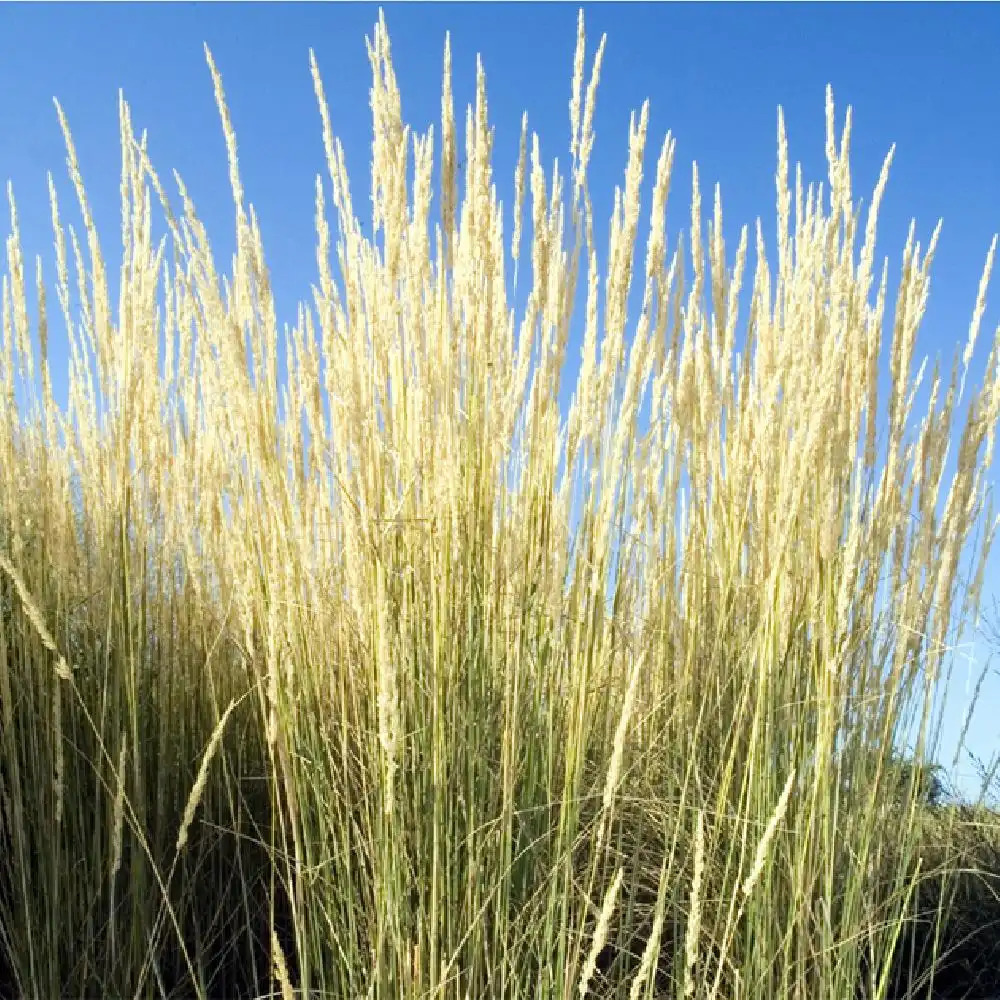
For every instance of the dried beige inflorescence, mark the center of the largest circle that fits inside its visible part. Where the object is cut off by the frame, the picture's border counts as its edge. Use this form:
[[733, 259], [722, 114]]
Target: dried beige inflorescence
[[691, 931], [119, 812], [198, 788], [281, 969], [34, 616], [600, 932], [760, 855]]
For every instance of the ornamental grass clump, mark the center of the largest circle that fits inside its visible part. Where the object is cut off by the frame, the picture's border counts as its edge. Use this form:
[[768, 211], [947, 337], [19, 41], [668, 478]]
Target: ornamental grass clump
[[391, 680]]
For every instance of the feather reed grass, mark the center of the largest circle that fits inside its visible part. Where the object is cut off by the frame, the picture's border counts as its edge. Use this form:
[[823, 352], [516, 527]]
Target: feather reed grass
[[481, 664]]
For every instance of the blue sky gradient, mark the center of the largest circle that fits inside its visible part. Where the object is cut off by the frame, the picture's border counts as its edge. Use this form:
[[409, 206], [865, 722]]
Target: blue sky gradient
[[921, 76]]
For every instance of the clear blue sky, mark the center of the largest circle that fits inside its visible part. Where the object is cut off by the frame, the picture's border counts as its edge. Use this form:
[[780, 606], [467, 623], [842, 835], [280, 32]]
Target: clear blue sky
[[922, 76]]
